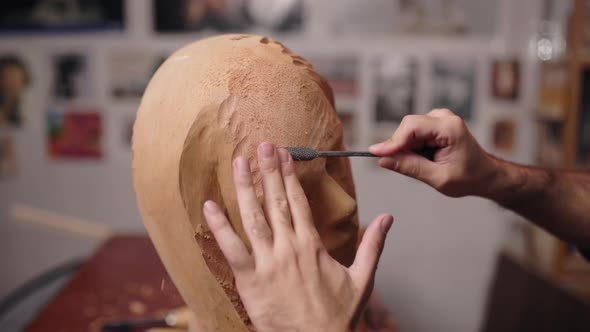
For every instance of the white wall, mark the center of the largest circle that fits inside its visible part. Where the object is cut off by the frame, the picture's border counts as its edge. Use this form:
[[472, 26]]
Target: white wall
[[440, 253]]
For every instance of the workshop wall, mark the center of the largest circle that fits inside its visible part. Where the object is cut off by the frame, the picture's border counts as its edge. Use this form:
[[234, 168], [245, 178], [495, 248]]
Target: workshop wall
[[440, 254]]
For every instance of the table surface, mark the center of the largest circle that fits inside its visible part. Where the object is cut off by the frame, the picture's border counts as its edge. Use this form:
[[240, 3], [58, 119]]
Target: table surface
[[124, 279]]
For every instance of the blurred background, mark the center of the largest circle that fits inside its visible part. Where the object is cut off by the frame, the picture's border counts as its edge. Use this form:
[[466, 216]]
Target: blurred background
[[72, 73]]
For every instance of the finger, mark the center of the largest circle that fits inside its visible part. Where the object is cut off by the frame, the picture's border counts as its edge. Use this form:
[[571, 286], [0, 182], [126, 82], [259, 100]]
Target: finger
[[440, 112], [229, 242], [300, 210], [410, 164], [253, 219], [414, 132], [367, 256], [276, 205]]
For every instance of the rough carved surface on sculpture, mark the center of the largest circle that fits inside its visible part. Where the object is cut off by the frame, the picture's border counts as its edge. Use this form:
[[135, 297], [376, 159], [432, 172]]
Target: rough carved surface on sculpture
[[209, 102]]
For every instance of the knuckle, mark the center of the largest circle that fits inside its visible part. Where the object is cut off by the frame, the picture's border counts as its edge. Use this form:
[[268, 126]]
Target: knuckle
[[406, 121], [288, 170], [244, 181], [268, 167], [411, 169], [446, 111], [455, 122], [299, 198], [313, 245], [258, 227], [287, 258], [280, 203]]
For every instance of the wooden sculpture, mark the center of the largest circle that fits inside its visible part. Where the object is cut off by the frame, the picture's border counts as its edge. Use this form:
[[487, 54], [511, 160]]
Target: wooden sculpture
[[209, 102]]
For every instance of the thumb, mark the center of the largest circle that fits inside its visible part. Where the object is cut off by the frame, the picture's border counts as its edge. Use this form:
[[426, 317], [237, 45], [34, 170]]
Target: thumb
[[367, 256], [410, 164]]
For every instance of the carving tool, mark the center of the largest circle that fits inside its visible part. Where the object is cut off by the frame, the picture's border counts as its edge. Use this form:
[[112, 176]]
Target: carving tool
[[306, 154]]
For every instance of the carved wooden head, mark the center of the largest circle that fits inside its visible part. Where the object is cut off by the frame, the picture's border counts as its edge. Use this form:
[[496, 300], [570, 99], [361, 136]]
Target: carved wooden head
[[209, 102]]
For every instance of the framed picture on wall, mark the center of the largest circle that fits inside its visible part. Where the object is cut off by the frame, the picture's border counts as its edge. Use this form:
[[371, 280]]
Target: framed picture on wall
[[130, 71], [14, 80], [505, 79], [51, 16], [395, 87], [71, 78], [454, 85], [504, 135], [227, 15], [74, 132]]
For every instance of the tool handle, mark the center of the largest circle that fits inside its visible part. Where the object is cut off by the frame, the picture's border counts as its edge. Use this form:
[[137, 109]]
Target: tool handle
[[345, 154], [426, 152]]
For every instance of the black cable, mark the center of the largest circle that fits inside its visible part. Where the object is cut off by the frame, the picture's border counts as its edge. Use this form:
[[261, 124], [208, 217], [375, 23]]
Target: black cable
[[31, 286]]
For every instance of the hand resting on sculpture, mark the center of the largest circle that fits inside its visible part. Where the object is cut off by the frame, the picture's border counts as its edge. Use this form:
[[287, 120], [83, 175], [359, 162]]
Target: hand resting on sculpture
[[289, 282]]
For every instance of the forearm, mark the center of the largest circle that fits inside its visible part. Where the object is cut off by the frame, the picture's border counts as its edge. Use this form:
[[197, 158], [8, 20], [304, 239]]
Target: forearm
[[558, 201]]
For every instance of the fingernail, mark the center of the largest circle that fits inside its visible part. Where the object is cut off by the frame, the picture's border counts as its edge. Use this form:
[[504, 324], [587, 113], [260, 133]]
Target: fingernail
[[266, 150], [386, 223], [211, 207], [283, 155], [375, 147], [241, 163]]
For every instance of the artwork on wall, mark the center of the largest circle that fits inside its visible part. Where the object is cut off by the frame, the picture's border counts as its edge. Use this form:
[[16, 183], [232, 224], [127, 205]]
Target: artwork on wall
[[130, 71], [395, 87], [70, 76], [74, 133], [227, 15], [453, 86], [505, 79], [8, 164], [504, 133], [14, 79], [61, 15]]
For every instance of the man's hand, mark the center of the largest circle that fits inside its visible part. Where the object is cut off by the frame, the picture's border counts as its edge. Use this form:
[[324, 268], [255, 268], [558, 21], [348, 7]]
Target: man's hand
[[289, 282], [460, 166]]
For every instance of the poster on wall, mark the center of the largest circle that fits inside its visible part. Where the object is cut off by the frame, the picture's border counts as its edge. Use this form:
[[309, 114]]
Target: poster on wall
[[71, 79], [130, 71], [74, 133], [504, 135], [52, 16], [8, 165], [453, 86], [395, 86], [505, 79], [14, 79], [227, 15]]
